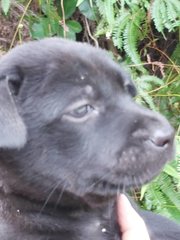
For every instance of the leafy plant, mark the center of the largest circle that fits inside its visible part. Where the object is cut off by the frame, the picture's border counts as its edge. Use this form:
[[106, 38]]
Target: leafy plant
[[54, 20], [139, 29], [162, 195], [166, 14], [127, 22], [145, 84]]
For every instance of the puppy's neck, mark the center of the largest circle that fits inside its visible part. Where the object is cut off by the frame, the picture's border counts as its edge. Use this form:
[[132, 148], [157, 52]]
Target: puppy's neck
[[28, 217]]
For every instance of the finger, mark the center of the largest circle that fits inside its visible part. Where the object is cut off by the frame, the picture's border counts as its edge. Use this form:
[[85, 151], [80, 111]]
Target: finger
[[131, 224]]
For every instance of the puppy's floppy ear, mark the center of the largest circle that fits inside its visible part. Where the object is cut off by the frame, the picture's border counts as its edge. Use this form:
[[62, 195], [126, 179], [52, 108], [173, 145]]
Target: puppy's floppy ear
[[12, 128]]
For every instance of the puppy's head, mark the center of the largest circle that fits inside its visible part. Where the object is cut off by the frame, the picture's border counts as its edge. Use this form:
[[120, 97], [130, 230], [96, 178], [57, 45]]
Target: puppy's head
[[70, 123]]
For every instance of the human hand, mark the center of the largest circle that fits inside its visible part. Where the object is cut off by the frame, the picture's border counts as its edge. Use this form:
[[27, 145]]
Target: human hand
[[131, 224]]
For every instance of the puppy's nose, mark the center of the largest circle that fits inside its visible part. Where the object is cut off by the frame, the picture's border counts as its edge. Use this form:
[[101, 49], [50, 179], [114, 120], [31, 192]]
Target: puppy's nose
[[162, 137]]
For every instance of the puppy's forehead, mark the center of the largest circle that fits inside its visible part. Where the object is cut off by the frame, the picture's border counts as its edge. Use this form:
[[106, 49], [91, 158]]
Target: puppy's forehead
[[53, 61], [96, 67], [93, 79]]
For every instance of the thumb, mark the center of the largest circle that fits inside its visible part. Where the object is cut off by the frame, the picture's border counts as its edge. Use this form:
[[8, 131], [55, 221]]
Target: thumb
[[131, 224]]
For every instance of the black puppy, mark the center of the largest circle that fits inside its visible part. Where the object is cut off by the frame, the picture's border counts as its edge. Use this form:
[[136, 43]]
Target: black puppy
[[71, 137]]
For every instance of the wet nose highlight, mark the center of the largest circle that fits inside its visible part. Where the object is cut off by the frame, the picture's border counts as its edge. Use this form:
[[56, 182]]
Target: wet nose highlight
[[161, 138]]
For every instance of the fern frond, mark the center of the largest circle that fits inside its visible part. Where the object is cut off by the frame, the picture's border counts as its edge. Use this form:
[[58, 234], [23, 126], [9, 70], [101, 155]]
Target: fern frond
[[100, 6], [171, 171], [176, 5], [130, 42], [171, 11], [154, 198], [174, 25], [119, 26], [147, 99], [122, 6], [102, 28], [130, 3], [156, 15], [166, 186], [166, 14], [131, 36], [163, 11], [144, 84], [150, 79], [106, 9], [109, 11], [162, 194], [145, 4], [161, 197]]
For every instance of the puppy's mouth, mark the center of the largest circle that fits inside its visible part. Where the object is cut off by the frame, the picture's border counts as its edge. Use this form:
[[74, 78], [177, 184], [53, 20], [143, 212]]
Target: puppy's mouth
[[104, 191], [101, 191], [132, 168]]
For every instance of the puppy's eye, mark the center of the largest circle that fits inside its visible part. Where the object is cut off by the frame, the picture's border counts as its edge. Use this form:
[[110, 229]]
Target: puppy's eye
[[81, 111]]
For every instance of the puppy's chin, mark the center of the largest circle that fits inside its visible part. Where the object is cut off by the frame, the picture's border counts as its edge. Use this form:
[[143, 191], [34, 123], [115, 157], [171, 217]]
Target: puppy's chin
[[101, 191]]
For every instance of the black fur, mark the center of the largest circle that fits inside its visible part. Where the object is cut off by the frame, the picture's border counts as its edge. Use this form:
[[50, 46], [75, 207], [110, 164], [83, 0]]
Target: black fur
[[71, 138]]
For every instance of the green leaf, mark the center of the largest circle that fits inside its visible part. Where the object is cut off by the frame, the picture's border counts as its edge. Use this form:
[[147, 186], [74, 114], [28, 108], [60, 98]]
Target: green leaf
[[118, 30], [102, 28], [109, 11], [171, 11], [51, 12], [171, 171], [74, 26], [69, 8], [46, 28], [106, 10], [131, 36], [5, 6], [38, 30], [156, 15], [176, 5], [79, 2], [86, 10], [143, 191]]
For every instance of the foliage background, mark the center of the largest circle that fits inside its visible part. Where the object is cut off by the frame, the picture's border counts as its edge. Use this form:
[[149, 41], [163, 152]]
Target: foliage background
[[142, 35]]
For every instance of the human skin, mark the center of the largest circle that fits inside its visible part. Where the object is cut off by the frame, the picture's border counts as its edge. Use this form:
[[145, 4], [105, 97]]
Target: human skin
[[131, 224]]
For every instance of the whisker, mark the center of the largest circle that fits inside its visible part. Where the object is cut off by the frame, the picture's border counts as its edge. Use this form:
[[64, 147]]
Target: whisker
[[98, 181], [60, 196], [49, 196]]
